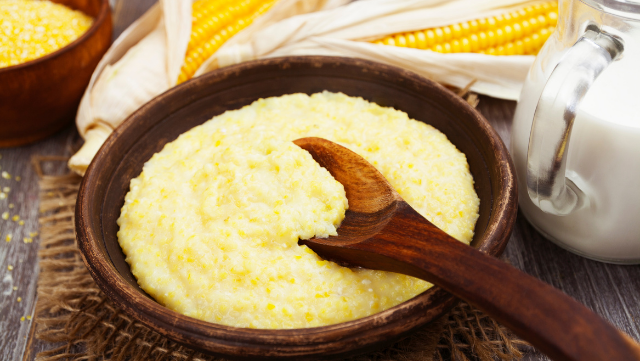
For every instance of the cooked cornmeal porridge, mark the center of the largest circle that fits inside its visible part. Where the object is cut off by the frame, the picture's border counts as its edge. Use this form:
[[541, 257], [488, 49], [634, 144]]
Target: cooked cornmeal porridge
[[211, 225]]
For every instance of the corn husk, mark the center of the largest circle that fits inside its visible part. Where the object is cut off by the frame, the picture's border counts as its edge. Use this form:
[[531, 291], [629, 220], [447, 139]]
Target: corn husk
[[146, 60], [344, 31]]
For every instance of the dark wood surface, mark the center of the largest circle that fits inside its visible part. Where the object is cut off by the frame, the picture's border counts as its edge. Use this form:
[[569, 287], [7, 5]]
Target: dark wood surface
[[39, 97], [381, 231], [612, 291]]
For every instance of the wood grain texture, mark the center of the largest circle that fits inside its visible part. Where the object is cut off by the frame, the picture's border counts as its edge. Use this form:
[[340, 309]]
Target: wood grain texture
[[381, 231], [22, 256], [39, 97]]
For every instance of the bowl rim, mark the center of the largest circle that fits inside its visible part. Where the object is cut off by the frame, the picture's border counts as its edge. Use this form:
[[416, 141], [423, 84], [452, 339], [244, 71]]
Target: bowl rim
[[226, 340], [102, 16]]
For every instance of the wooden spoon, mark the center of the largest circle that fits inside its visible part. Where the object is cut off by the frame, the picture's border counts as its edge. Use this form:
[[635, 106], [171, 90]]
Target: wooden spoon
[[381, 231]]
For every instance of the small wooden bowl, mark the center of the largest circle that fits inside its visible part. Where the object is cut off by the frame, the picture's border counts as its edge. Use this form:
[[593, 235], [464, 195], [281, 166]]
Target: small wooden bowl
[[39, 97], [160, 121]]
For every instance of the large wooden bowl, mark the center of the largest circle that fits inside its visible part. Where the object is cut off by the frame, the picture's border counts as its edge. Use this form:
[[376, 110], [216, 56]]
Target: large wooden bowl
[[39, 97], [176, 111]]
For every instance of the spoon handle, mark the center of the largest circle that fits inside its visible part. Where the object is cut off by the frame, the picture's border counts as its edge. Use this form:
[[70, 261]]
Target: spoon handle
[[553, 322]]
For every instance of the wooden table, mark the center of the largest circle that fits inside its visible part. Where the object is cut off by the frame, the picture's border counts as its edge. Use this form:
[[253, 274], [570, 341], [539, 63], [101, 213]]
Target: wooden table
[[611, 291]]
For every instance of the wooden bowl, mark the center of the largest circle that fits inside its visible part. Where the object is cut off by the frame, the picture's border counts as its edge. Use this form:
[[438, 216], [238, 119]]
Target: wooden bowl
[[161, 120], [39, 97]]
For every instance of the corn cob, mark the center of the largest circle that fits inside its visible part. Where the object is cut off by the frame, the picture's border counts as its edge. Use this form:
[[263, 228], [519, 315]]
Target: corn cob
[[214, 22], [520, 32], [33, 29]]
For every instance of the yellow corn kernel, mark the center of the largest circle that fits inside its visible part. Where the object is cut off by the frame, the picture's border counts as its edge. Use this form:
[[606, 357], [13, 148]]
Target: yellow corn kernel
[[517, 31], [538, 8], [519, 49], [401, 41], [491, 38], [421, 40], [270, 306], [466, 28], [389, 41], [456, 31], [482, 40], [482, 24], [446, 30], [553, 18], [456, 47], [508, 32], [466, 45], [509, 49], [500, 36], [492, 23], [542, 21], [515, 17], [439, 38], [474, 43], [430, 35], [533, 23], [411, 41]]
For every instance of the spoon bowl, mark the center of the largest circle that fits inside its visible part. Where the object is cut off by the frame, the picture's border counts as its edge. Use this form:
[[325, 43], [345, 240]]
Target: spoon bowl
[[381, 231]]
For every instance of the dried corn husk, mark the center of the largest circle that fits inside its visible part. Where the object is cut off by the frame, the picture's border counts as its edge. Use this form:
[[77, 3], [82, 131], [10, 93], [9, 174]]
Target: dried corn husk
[[146, 60], [343, 31]]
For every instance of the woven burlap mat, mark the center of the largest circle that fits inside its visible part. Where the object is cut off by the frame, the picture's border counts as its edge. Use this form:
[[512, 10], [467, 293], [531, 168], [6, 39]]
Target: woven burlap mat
[[81, 323]]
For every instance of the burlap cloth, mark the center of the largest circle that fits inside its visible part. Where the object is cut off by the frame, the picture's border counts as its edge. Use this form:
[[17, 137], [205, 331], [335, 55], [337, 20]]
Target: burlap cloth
[[82, 324]]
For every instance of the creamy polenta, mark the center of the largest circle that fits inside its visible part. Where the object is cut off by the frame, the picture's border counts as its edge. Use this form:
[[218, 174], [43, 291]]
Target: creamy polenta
[[210, 228]]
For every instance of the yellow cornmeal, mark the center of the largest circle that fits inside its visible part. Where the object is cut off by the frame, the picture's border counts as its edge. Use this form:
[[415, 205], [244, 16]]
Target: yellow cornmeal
[[32, 29], [210, 227]]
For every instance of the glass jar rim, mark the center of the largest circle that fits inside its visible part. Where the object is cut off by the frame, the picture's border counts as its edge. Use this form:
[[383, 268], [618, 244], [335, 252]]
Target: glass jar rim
[[619, 7]]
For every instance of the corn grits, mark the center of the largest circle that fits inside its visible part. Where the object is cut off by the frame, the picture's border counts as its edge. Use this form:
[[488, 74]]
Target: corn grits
[[211, 225]]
